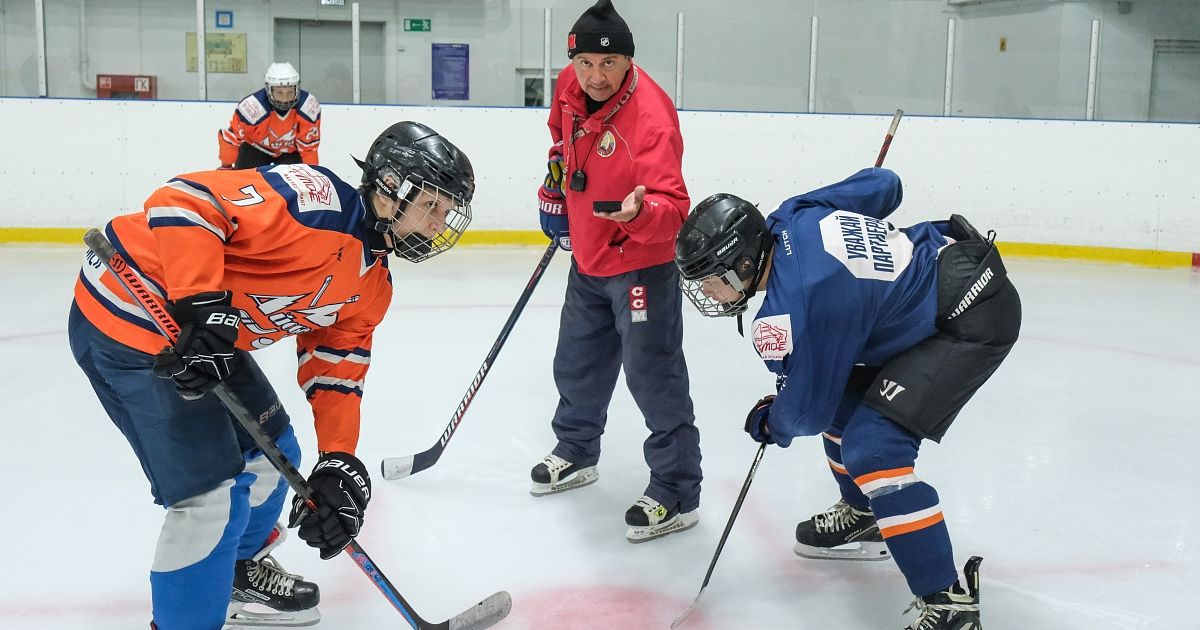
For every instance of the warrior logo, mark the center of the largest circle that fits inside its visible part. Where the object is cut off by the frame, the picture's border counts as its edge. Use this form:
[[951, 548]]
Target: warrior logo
[[891, 389], [773, 337], [608, 144]]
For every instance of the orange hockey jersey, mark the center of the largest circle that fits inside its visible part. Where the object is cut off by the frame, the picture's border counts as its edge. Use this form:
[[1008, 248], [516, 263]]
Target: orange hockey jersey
[[288, 242], [254, 121]]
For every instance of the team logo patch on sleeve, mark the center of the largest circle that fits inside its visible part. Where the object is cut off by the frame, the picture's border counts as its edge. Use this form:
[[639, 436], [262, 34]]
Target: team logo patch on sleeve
[[251, 109], [311, 107], [868, 247], [314, 191], [773, 337]]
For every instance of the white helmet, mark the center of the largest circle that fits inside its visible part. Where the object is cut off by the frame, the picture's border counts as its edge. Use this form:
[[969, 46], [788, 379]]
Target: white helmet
[[282, 75]]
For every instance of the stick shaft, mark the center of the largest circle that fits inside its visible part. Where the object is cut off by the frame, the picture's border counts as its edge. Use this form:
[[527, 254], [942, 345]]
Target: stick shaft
[[887, 140], [170, 329], [397, 467]]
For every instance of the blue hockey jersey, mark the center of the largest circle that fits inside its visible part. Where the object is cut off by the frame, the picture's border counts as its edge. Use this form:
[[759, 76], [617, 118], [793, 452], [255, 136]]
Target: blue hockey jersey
[[846, 287]]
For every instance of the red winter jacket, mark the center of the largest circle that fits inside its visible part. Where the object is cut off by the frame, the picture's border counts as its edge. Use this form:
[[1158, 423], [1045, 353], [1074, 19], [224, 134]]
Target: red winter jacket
[[633, 140]]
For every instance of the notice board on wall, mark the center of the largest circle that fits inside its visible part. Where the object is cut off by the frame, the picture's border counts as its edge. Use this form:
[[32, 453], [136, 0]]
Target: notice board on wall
[[452, 72], [223, 52]]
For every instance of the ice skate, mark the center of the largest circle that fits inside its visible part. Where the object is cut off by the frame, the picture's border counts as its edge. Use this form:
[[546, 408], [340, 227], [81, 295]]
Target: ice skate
[[951, 609], [648, 519], [841, 533], [266, 595], [555, 474]]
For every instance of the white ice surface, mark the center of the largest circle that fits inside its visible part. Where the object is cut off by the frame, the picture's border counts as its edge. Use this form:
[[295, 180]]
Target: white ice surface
[[1061, 472]]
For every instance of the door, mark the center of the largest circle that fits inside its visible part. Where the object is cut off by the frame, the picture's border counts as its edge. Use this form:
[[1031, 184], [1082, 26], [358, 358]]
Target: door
[[1175, 81], [321, 51]]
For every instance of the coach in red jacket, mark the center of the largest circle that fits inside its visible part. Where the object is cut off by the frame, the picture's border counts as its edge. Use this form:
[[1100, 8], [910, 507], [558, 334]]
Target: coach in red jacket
[[615, 195]]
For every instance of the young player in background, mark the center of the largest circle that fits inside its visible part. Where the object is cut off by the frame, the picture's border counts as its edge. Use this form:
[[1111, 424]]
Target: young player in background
[[244, 259], [878, 337], [279, 124]]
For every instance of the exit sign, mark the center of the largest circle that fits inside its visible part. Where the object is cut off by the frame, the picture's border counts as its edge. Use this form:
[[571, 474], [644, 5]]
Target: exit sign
[[333, 3], [418, 24]]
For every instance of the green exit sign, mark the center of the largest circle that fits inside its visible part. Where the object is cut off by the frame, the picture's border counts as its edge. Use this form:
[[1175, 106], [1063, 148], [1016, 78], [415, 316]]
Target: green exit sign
[[418, 24]]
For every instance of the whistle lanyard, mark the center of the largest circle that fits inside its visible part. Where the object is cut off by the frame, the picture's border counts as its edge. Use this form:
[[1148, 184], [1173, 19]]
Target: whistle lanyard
[[578, 181]]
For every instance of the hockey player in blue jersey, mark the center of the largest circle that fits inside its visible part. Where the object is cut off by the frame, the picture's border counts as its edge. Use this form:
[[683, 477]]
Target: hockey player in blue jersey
[[878, 336]]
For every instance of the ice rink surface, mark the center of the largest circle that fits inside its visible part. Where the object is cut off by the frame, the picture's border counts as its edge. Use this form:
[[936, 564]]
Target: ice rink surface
[[1061, 472]]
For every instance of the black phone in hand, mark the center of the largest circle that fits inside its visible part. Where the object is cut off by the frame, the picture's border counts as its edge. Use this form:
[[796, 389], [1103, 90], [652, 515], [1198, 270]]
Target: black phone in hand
[[606, 207]]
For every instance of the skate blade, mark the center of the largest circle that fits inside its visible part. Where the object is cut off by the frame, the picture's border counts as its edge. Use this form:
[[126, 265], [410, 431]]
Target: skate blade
[[584, 477], [680, 523], [251, 615], [869, 551]]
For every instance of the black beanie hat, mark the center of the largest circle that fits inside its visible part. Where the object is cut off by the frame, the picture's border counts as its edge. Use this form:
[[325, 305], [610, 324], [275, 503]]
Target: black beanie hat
[[600, 30]]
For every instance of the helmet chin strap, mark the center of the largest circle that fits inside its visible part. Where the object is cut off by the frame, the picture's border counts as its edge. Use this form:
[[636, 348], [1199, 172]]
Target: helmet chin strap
[[377, 229], [753, 288]]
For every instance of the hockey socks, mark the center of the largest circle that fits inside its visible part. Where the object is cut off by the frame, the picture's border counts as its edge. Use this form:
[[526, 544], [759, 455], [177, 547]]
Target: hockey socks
[[911, 522]]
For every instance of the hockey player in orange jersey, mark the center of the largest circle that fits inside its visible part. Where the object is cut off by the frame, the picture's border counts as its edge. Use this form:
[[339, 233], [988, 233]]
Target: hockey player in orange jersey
[[279, 124], [244, 259]]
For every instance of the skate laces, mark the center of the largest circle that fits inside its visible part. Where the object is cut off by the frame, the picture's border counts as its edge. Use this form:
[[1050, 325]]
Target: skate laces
[[653, 509], [556, 464], [932, 613], [269, 577], [836, 518]]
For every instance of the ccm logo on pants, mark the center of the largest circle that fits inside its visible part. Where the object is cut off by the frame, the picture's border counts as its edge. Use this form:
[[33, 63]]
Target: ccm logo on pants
[[637, 303]]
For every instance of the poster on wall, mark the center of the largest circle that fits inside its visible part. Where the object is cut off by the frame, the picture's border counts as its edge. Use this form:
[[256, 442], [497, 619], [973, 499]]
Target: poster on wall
[[451, 72], [223, 52]]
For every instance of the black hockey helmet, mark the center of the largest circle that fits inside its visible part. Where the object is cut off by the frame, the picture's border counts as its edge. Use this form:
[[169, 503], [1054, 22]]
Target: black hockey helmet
[[725, 237], [409, 158]]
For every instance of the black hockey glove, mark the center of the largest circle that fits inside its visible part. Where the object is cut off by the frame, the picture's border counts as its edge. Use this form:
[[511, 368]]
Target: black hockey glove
[[341, 490], [204, 354], [756, 420]]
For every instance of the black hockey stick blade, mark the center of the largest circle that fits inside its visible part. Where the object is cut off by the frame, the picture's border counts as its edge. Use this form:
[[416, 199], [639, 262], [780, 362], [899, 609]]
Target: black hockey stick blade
[[485, 614], [399, 467]]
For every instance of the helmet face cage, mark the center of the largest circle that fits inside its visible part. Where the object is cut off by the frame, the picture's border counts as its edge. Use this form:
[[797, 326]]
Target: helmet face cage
[[724, 240], [280, 102], [407, 191], [282, 75], [709, 307]]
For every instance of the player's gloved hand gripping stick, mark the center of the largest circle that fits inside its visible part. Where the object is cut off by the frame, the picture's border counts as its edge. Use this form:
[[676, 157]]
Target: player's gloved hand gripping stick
[[398, 467], [754, 422], [482, 615]]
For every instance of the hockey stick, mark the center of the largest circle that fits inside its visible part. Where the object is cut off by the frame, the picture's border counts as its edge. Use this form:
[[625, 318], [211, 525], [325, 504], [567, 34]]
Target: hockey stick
[[737, 507], [887, 140], [398, 467], [482, 615]]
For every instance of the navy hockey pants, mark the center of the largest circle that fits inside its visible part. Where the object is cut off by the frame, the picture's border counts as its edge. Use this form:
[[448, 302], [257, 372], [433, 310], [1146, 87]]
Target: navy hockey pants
[[222, 496], [632, 320]]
